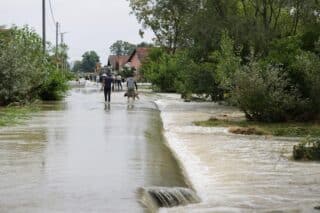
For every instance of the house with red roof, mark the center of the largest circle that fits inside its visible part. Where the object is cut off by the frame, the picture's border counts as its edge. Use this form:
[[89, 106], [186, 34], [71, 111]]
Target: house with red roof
[[137, 57], [117, 62]]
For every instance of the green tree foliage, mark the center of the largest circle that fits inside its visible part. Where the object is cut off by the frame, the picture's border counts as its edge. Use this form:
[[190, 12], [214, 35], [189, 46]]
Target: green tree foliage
[[24, 68], [307, 65], [22, 65], [89, 61], [202, 79], [54, 86], [122, 48], [265, 94], [227, 62], [62, 56], [178, 73], [77, 66], [127, 72], [160, 70], [166, 18], [262, 55], [145, 44]]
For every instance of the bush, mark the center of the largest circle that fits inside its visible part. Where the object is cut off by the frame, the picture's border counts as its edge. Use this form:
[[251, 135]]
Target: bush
[[202, 79], [179, 73], [285, 86], [227, 63], [307, 64], [127, 72], [22, 65], [54, 86], [265, 94], [25, 71], [309, 149], [164, 70], [284, 51]]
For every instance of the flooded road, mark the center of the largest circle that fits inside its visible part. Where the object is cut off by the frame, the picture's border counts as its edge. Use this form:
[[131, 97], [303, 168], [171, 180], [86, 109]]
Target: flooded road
[[77, 156]]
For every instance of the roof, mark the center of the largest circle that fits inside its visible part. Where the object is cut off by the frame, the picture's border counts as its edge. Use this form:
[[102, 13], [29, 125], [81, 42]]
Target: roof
[[141, 52], [117, 61], [123, 60], [112, 60]]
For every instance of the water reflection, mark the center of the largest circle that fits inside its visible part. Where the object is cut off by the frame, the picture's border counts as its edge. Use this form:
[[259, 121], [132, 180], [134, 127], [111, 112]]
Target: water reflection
[[74, 156]]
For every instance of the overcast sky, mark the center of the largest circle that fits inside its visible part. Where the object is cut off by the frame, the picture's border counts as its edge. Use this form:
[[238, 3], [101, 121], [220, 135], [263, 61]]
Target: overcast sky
[[90, 24]]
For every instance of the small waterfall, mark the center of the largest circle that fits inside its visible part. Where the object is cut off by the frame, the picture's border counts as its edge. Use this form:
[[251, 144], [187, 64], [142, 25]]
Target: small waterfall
[[159, 197]]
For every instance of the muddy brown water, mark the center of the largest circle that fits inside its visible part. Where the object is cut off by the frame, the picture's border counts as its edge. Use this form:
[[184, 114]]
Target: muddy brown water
[[78, 156]]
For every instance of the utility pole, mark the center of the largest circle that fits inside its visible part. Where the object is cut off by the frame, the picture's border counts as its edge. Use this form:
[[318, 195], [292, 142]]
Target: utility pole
[[44, 25], [57, 38], [57, 44]]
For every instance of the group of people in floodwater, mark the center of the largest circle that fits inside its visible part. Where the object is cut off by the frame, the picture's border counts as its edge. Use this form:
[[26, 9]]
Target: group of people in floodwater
[[109, 82]]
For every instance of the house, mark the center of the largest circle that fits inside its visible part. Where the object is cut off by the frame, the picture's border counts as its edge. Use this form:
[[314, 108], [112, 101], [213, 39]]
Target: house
[[137, 57], [117, 62]]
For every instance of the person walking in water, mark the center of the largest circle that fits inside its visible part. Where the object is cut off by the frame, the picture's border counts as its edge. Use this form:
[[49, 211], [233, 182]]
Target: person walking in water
[[107, 86], [119, 84], [132, 87]]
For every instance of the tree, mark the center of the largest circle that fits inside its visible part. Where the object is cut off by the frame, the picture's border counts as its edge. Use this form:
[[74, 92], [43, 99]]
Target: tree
[[209, 47], [22, 65], [77, 66], [26, 72], [60, 56], [89, 61], [165, 18], [145, 44], [122, 48]]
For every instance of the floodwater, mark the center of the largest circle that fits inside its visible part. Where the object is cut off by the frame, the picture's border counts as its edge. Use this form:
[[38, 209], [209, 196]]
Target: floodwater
[[234, 173], [78, 156]]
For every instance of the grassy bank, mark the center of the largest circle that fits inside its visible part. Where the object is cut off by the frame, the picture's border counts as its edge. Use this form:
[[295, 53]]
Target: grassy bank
[[15, 114], [257, 128]]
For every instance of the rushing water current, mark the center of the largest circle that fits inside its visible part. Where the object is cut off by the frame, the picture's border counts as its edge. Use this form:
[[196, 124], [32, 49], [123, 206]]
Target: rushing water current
[[78, 156], [233, 173]]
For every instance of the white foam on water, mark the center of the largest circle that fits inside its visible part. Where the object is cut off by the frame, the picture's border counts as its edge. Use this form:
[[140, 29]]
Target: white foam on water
[[189, 162], [236, 173]]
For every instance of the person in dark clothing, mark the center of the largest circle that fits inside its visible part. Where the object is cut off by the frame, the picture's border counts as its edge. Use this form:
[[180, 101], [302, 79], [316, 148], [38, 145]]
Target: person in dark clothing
[[107, 86]]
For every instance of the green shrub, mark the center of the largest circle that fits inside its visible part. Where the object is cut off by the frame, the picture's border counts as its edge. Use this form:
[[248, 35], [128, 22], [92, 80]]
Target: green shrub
[[179, 73], [202, 79], [309, 149], [127, 72], [54, 86], [265, 94], [69, 75], [301, 66], [307, 64], [25, 71], [227, 63], [284, 51], [22, 65], [164, 70]]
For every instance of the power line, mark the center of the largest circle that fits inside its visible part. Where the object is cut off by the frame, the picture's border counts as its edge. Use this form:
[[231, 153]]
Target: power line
[[52, 14]]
